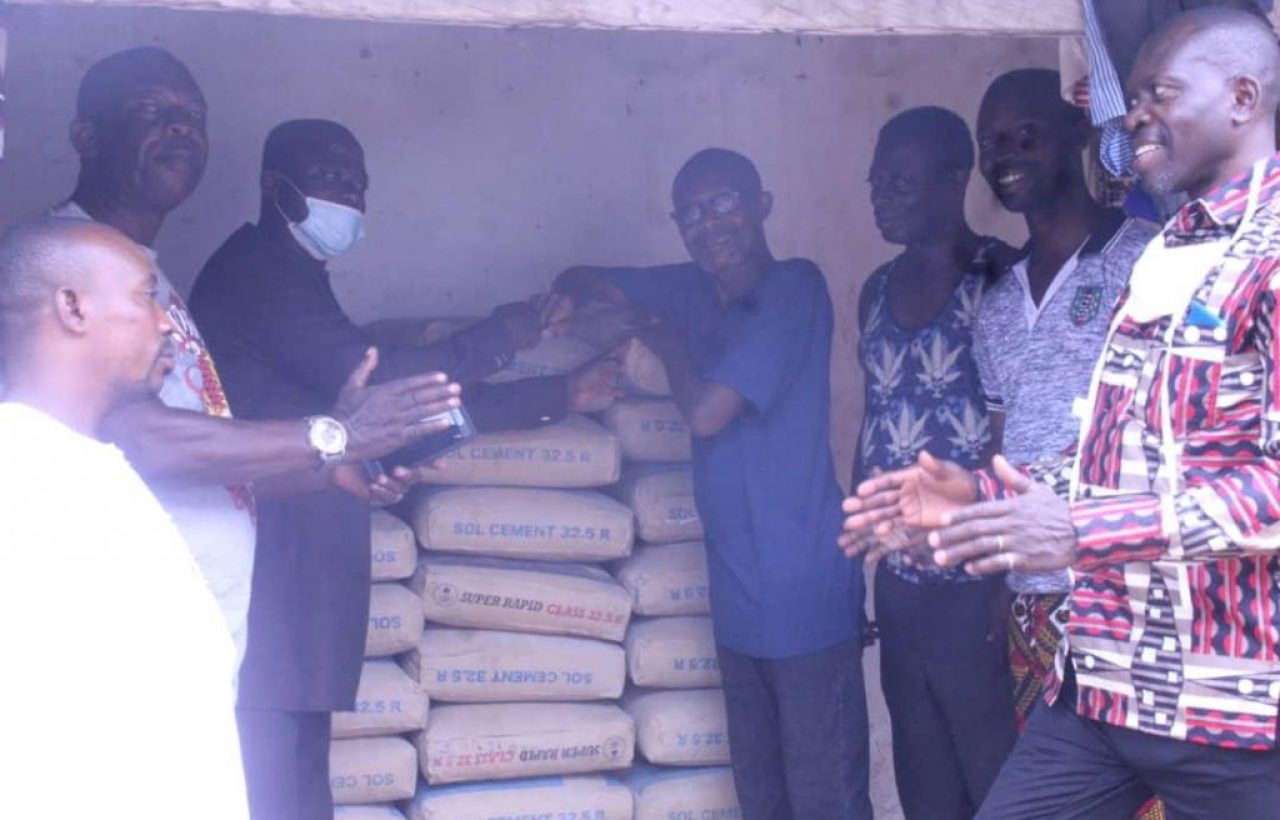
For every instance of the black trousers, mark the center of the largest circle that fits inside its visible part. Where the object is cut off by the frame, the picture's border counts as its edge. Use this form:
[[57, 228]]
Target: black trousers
[[1067, 767], [798, 734], [286, 763], [946, 681]]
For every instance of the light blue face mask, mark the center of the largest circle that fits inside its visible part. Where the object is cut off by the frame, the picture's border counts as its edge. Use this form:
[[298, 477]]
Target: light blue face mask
[[330, 229]]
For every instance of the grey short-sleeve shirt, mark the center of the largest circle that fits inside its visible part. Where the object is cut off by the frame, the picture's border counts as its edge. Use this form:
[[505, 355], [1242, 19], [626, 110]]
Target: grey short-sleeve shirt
[[1035, 361]]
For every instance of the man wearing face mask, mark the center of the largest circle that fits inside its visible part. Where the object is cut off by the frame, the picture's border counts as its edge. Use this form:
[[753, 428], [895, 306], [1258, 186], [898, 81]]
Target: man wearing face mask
[[283, 342]]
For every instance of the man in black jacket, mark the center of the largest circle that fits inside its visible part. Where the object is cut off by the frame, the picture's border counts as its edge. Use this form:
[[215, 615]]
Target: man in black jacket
[[283, 344]]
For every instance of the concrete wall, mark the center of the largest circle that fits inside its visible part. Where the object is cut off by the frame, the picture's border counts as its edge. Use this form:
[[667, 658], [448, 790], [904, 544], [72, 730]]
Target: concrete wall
[[500, 157]]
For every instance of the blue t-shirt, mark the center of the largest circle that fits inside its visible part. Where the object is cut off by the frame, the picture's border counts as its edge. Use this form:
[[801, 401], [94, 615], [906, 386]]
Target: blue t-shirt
[[765, 485]]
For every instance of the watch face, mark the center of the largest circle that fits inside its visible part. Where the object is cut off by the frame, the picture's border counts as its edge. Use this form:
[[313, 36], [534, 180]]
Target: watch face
[[328, 436]]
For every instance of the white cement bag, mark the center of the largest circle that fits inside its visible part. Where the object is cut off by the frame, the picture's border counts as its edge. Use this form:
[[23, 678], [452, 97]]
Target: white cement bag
[[553, 525], [680, 727], [395, 620], [544, 798], [394, 549], [650, 430], [667, 579], [483, 666], [493, 593], [493, 741], [684, 794], [372, 770], [642, 372], [554, 356], [662, 497], [388, 702], [577, 452], [377, 812], [672, 653]]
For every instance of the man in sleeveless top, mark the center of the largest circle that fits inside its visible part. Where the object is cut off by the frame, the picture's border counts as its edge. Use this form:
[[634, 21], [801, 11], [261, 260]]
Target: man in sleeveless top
[[943, 668]]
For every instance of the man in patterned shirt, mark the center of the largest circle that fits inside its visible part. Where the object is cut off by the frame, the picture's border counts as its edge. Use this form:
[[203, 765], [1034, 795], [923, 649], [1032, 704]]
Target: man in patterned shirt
[[942, 667], [1172, 517]]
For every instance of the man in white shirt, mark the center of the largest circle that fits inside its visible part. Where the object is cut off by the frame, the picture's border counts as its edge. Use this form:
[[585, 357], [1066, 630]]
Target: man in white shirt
[[119, 664]]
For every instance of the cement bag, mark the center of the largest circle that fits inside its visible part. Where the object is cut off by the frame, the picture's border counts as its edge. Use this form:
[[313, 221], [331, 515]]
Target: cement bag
[[684, 794], [394, 549], [388, 702], [395, 620], [367, 813], [642, 372], [554, 356], [680, 727], [662, 497], [372, 769], [650, 430], [554, 525], [667, 579], [577, 452], [493, 593], [498, 741], [543, 798], [672, 653], [482, 666]]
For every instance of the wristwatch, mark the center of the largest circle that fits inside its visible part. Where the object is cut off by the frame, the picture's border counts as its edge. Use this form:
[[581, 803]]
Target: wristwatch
[[327, 437]]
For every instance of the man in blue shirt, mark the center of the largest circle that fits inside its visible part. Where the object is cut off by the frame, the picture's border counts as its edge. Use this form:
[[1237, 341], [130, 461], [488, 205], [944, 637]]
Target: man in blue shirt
[[746, 340]]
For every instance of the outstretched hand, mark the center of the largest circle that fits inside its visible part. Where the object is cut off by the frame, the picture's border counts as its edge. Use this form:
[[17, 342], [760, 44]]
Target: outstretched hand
[[1030, 532], [889, 509], [384, 417]]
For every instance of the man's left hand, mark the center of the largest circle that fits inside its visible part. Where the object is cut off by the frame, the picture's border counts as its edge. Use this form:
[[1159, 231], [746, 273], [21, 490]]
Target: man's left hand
[[594, 387], [383, 491], [1030, 532]]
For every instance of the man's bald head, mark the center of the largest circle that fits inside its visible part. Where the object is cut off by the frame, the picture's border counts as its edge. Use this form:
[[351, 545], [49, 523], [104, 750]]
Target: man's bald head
[[1235, 42], [36, 259], [78, 297], [1203, 95]]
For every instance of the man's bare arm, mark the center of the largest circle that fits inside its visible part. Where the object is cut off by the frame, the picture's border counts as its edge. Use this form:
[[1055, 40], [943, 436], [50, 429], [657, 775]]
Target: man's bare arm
[[181, 447]]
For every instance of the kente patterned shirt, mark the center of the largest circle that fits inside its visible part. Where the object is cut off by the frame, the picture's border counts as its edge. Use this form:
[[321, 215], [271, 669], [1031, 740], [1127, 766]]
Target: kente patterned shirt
[[922, 391], [1175, 613]]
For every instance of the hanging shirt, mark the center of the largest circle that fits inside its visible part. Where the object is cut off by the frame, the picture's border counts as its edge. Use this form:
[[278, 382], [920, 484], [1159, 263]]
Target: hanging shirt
[[1175, 490], [1036, 360], [922, 391], [119, 678], [216, 521]]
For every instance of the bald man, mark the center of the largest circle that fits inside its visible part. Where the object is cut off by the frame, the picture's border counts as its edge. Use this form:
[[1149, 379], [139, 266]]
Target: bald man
[[1168, 510], [119, 661]]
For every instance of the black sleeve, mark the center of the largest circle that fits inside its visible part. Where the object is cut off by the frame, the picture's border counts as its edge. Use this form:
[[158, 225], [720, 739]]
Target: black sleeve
[[466, 356], [293, 319]]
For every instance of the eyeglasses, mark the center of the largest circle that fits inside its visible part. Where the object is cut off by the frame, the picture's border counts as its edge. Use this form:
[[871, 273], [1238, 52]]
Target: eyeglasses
[[721, 204]]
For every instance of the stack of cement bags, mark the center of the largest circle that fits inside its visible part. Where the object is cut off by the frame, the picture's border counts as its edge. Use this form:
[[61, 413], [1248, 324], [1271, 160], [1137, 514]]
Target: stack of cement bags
[[526, 579], [674, 694], [372, 760], [522, 656]]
